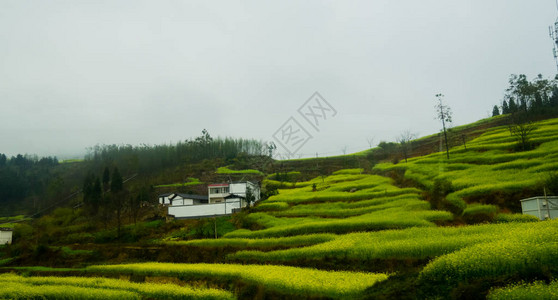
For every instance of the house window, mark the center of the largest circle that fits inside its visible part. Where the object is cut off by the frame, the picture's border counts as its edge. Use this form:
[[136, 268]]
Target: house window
[[219, 190]]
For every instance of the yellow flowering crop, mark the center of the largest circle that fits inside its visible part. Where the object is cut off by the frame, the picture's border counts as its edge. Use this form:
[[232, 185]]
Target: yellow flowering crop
[[298, 281]]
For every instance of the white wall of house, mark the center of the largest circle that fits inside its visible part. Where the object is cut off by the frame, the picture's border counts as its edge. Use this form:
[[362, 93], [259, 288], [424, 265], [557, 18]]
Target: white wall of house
[[164, 200], [178, 201], [5, 237], [240, 188], [204, 210]]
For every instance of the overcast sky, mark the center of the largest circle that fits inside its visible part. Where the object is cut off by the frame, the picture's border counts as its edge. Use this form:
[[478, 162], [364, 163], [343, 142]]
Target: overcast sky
[[74, 74]]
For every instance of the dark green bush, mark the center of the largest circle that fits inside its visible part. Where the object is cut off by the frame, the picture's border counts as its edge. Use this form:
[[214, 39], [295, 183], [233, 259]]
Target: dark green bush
[[22, 231], [441, 188]]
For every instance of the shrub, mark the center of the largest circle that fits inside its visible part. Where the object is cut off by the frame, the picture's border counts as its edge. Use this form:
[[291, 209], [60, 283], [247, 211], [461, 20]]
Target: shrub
[[78, 238], [442, 187], [454, 204], [22, 231], [295, 241]]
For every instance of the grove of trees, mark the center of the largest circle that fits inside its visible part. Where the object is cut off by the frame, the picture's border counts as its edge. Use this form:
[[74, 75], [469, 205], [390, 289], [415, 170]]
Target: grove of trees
[[534, 98]]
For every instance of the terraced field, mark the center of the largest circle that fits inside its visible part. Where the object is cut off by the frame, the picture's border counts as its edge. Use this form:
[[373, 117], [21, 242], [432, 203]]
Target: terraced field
[[488, 164], [52, 287], [351, 235]]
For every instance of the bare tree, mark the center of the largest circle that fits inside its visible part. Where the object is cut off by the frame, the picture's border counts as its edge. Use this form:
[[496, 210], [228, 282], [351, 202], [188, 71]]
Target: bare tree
[[370, 141], [271, 148], [443, 113], [521, 129], [405, 141]]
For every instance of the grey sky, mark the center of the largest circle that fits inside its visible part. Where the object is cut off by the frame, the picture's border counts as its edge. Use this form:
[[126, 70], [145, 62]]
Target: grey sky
[[78, 73]]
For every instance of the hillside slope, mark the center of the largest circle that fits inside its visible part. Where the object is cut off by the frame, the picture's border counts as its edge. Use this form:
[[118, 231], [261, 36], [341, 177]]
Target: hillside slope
[[429, 228]]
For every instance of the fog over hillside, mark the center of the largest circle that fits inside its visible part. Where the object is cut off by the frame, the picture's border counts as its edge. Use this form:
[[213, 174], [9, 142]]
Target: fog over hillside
[[79, 73]]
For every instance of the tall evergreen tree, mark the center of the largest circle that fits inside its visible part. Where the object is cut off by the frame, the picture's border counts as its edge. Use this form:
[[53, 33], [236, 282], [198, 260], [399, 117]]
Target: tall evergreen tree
[[96, 194], [117, 197], [512, 106], [116, 184], [495, 111], [553, 99], [88, 184], [505, 108], [106, 179], [538, 102]]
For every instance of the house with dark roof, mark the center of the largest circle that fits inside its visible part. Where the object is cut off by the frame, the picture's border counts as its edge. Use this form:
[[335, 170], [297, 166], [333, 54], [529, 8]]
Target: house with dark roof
[[222, 199], [180, 199]]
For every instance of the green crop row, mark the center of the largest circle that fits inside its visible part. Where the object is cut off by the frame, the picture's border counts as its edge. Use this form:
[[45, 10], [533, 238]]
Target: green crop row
[[274, 184], [290, 175], [18, 290], [294, 241], [338, 210], [271, 206], [18, 287], [391, 218], [191, 181], [526, 291], [412, 243], [298, 281], [473, 209], [349, 171], [225, 170], [346, 176], [330, 196]]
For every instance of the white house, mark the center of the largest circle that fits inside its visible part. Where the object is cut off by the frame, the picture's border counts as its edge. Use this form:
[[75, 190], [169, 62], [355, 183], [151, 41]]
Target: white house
[[218, 192], [222, 199], [5, 236]]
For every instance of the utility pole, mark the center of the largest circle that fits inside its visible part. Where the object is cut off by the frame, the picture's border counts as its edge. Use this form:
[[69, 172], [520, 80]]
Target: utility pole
[[547, 203], [553, 33]]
